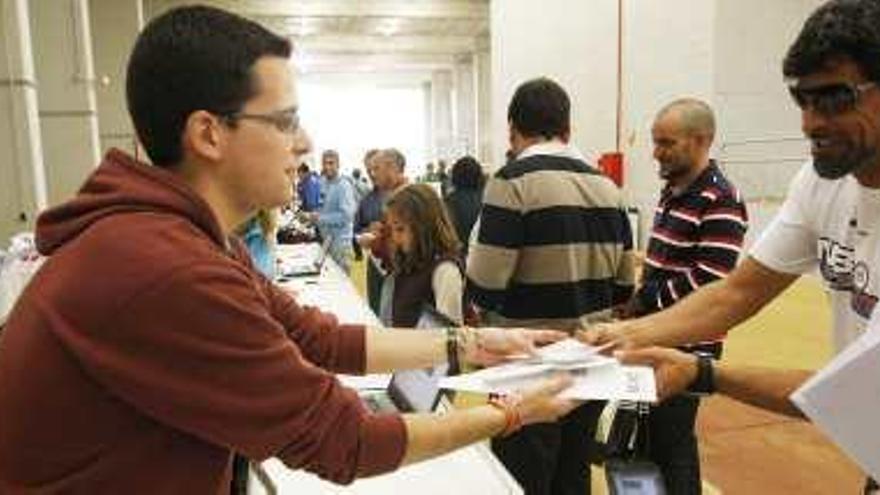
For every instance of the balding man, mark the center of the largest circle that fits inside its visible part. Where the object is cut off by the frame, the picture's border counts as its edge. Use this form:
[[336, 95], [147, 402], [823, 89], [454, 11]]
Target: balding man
[[698, 230]]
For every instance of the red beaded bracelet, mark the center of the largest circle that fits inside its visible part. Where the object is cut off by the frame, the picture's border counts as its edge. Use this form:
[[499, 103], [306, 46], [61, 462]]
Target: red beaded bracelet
[[509, 405]]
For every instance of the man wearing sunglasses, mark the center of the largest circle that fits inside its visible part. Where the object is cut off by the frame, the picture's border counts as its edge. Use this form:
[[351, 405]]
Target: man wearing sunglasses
[[830, 219]]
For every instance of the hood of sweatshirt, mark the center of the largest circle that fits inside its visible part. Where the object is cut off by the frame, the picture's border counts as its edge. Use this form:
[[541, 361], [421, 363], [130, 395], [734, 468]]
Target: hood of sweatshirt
[[119, 185]]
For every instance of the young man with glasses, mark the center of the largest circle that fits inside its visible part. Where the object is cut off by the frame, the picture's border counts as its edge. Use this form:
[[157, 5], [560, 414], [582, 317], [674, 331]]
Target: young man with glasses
[[830, 219], [147, 350]]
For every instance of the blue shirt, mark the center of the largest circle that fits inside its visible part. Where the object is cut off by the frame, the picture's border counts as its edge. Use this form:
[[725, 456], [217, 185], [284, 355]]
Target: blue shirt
[[260, 249], [336, 216], [309, 192]]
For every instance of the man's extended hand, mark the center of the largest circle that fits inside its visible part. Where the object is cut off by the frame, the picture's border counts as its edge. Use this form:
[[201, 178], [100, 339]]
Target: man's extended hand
[[617, 335], [674, 370], [488, 346]]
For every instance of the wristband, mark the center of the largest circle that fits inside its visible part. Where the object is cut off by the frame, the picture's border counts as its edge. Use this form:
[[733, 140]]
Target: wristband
[[509, 405], [452, 345], [704, 383]]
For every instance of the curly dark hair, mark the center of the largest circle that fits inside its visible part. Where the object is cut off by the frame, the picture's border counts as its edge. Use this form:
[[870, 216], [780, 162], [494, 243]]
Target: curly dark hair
[[189, 59], [467, 173], [839, 28]]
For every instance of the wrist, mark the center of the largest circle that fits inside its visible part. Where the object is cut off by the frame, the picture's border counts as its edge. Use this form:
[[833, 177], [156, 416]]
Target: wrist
[[468, 344], [453, 350], [701, 372], [510, 405]]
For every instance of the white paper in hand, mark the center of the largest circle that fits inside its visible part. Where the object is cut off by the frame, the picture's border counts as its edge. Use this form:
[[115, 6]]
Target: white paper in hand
[[596, 377], [843, 399]]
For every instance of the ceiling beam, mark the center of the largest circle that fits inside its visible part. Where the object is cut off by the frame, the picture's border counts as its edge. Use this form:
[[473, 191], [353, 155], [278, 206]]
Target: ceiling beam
[[445, 9], [359, 62], [353, 43]]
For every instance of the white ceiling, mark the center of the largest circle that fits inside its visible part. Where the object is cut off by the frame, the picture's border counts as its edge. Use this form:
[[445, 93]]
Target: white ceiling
[[367, 35]]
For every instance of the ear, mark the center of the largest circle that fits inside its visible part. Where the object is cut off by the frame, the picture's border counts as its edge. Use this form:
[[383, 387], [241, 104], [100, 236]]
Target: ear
[[204, 135], [566, 135], [704, 140]]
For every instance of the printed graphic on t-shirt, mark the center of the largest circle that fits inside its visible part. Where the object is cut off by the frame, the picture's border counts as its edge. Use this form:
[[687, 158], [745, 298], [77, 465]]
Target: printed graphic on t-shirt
[[836, 264], [842, 272]]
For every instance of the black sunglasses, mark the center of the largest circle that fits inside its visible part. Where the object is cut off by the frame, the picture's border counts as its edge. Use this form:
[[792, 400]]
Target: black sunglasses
[[829, 99], [286, 121]]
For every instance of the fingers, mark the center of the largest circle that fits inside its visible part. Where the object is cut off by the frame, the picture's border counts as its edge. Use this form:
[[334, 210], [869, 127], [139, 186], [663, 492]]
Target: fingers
[[543, 337], [592, 336], [555, 385], [648, 357], [613, 335]]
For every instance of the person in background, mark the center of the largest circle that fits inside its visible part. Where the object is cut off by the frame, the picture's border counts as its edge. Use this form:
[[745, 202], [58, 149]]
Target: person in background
[[361, 185], [335, 219], [369, 206], [387, 168], [698, 231], [258, 235], [161, 352], [466, 198], [424, 256], [308, 189], [430, 174], [554, 248], [442, 177]]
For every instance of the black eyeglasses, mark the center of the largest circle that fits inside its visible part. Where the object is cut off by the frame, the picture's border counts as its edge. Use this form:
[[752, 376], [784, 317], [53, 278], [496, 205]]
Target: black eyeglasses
[[286, 121], [829, 99]]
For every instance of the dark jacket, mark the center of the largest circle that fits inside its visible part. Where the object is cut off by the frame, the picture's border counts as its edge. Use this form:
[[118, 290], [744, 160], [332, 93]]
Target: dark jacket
[[464, 206]]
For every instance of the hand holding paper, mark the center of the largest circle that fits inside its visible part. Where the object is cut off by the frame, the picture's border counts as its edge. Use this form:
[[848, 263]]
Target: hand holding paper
[[595, 377], [490, 346]]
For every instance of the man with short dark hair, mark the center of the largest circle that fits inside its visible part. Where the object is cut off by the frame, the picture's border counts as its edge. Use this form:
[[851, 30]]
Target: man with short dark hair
[[696, 237], [553, 248], [148, 350], [830, 219]]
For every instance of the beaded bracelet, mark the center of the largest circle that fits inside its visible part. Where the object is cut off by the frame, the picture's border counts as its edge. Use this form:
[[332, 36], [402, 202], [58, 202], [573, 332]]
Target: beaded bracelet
[[509, 405]]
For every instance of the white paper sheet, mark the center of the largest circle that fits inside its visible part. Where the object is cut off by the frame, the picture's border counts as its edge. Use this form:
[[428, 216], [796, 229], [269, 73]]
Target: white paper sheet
[[843, 399], [596, 377]]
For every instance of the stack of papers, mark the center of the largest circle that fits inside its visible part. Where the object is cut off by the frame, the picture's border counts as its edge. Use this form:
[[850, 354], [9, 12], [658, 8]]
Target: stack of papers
[[596, 377], [843, 399]]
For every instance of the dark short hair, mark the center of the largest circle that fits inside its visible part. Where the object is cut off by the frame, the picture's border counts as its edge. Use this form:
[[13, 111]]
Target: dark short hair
[[839, 28], [188, 59], [467, 173], [540, 107], [303, 168], [330, 153]]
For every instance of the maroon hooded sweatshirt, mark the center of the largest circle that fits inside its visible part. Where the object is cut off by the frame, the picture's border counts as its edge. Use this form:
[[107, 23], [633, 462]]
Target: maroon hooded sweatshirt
[[146, 351]]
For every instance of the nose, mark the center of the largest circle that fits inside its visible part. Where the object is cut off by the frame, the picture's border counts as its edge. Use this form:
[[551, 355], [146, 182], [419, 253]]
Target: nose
[[301, 143], [811, 120]]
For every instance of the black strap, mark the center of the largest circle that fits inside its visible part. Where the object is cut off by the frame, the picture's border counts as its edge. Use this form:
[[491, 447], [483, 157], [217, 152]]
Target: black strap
[[629, 435]]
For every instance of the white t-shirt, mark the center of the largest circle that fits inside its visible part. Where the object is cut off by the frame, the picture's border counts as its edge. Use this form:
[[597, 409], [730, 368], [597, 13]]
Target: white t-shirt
[[832, 225]]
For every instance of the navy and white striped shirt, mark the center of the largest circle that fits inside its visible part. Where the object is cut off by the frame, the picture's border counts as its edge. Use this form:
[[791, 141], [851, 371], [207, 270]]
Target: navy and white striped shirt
[[696, 239]]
